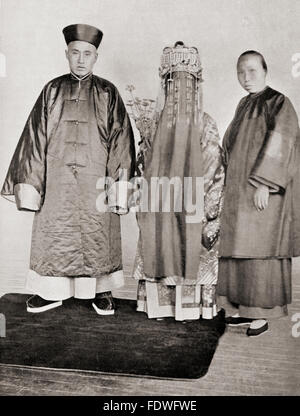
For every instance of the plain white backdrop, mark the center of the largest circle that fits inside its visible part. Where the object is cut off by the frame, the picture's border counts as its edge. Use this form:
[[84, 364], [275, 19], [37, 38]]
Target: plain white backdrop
[[135, 32]]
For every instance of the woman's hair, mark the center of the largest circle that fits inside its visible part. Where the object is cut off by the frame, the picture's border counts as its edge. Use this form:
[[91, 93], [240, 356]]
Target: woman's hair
[[255, 53]]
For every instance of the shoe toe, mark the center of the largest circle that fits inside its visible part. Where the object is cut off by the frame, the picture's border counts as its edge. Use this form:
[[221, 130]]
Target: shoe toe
[[253, 332]]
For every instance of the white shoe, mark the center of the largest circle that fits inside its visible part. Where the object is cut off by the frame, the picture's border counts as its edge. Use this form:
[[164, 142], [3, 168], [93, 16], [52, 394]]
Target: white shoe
[[36, 304]]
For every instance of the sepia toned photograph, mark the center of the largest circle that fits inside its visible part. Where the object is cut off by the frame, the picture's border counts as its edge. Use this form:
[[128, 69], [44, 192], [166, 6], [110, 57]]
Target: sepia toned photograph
[[150, 200]]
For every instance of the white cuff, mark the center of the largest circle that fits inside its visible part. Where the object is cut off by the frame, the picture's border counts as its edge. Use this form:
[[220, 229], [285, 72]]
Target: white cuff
[[117, 196], [27, 197]]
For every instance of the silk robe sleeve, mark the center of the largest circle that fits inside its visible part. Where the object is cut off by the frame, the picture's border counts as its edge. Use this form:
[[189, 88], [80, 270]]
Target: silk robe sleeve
[[276, 161], [147, 133], [213, 183], [121, 157], [25, 180]]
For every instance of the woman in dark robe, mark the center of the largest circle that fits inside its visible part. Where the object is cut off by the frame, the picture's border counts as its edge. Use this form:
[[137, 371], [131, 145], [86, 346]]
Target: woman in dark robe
[[177, 259], [259, 229]]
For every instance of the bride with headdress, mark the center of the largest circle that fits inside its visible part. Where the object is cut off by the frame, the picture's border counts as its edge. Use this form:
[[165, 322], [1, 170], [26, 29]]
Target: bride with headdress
[[176, 261]]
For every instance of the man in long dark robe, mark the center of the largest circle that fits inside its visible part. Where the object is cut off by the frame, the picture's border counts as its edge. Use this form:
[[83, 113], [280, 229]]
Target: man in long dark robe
[[260, 223], [77, 134]]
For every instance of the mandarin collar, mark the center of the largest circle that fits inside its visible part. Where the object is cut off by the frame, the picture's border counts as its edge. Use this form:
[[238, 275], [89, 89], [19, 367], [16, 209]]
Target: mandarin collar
[[259, 93], [86, 77]]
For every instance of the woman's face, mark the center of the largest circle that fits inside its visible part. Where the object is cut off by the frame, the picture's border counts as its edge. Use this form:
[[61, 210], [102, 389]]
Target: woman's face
[[251, 74]]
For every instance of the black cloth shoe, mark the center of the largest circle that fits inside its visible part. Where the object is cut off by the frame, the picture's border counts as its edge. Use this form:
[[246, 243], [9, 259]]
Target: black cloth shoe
[[238, 321], [104, 304], [255, 332], [36, 304]]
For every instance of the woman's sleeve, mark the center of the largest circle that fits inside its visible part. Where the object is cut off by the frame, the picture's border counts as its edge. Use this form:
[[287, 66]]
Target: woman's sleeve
[[275, 164], [213, 183]]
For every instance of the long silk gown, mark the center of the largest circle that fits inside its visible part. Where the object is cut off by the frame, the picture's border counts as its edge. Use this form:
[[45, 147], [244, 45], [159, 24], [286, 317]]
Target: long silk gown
[[77, 134], [176, 273], [261, 147]]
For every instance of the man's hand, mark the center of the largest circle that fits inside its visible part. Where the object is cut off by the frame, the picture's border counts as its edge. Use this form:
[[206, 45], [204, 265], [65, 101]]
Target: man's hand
[[261, 197]]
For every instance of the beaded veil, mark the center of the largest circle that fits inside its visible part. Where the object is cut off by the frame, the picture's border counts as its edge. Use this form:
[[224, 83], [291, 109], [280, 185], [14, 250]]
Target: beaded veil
[[175, 60]]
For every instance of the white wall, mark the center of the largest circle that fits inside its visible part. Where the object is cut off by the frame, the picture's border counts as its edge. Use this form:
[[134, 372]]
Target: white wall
[[135, 32]]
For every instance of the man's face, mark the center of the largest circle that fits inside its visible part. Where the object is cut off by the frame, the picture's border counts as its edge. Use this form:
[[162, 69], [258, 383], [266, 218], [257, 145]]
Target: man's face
[[251, 74], [82, 57]]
